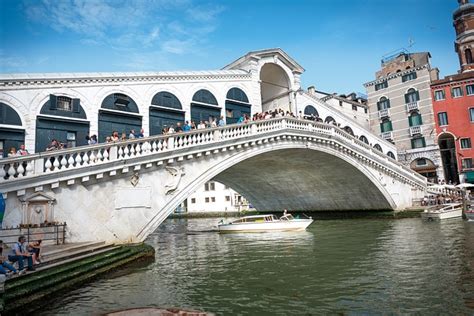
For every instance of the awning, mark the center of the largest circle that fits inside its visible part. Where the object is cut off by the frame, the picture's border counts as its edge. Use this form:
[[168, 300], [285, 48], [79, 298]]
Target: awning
[[469, 176]]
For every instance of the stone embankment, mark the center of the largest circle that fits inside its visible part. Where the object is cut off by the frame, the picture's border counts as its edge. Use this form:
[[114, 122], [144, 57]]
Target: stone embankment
[[66, 268]]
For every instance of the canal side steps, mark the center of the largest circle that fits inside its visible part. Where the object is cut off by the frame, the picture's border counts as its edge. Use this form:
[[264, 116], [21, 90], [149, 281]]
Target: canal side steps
[[77, 266]]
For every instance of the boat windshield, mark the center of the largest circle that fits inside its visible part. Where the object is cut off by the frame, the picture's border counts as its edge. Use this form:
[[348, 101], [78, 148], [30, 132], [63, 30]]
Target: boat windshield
[[287, 217], [256, 219]]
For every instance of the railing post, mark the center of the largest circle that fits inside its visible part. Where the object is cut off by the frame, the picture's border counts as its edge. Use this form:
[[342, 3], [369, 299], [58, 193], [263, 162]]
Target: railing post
[[283, 124], [217, 135], [170, 142], [113, 151], [38, 167], [253, 129]]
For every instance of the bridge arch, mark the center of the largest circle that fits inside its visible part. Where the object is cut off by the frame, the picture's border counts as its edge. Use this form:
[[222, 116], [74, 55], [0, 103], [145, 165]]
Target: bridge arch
[[310, 111], [275, 87], [252, 172]]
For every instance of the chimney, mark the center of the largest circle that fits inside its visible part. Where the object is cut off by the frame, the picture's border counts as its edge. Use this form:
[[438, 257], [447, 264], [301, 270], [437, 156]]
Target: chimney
[[312, 90]]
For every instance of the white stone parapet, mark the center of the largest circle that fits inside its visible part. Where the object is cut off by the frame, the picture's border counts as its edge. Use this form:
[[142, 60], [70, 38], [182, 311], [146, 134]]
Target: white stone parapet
[[19, 173]]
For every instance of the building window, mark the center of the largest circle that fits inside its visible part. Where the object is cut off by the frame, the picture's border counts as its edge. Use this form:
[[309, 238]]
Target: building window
[[471, 114], [439, 95], [456, 92], [465, 143], [470, 89], [193, 200], [213, 199], [408, 77], [421, 162], [418, 142], [468, 55], [64, 103], [412, 96], [365, 110], [442, 118], [386, 126], [466, 163], [210, 186], [206, 200], [382, 85], [227, 198], [383, 104], [354, 107], [71, 139], [121, 99], [206, 186], [340, 103], [415, 119]]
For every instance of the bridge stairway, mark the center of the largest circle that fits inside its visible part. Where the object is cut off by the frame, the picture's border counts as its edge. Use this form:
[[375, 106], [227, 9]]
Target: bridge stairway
[[67, 266]]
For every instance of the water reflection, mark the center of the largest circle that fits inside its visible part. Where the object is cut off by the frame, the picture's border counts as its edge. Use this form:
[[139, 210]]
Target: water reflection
[[359, 266]]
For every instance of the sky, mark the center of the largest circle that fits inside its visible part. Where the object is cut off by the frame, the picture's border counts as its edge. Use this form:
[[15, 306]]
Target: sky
[[339, 42]]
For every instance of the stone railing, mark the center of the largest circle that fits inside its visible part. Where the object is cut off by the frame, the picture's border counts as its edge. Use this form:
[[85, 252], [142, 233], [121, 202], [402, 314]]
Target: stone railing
[[411, 106], [384, 113], [84, 157], [415, 130], [387, 135]]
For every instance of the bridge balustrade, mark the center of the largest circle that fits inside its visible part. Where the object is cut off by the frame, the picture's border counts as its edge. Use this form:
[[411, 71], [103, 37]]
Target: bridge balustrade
[[86, 156]]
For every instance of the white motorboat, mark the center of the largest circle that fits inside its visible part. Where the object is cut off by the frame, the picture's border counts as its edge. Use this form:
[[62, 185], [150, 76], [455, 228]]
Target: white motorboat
[[264, 223], [470, 215], [450, 210]]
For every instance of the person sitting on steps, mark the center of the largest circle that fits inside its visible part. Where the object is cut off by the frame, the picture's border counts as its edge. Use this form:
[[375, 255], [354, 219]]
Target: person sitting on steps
[[4, 264], [34, 248], [19, 254]]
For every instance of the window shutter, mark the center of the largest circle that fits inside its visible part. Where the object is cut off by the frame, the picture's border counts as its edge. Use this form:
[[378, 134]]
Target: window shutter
[[52, 102], [388, 103], [76, 105], [410, 121], [420, 119], [390, 128], [407, 100], [381, 128], [417, 96], [378, 106]]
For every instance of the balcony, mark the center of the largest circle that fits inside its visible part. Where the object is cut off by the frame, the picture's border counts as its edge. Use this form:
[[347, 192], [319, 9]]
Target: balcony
[[412, 106], [384, 113], [415, 130], [387, 135]]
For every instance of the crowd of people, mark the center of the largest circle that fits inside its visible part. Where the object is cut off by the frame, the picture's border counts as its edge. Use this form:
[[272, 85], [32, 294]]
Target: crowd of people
[[20, 252]]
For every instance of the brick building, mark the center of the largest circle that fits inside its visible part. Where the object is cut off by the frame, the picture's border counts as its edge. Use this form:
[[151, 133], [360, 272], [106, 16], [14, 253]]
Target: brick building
[[454, 103]]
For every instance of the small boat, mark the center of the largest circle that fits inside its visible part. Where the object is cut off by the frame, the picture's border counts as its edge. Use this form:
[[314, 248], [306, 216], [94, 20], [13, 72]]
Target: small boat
[[470, 212], [450, 210], [264, 223]]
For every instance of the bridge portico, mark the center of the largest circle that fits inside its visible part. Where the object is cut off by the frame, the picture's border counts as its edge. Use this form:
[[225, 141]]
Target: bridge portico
[[121, 192]]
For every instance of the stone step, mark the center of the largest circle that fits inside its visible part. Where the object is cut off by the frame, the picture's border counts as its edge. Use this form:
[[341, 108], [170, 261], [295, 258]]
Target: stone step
[[72, 253], [53, 251]]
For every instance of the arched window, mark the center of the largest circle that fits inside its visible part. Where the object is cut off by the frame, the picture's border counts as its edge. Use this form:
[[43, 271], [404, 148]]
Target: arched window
[[391, 155], [348, 130], [383, 103], [11, 133], [204, 96], [165, 111], [386, 125], [237, 94], [364, 139], [167, 100], [330, 120], [120, 102], [415, 119], [411, 96], [204, 107], [236, 105], [468, 55], [377, 146], [310, 110]]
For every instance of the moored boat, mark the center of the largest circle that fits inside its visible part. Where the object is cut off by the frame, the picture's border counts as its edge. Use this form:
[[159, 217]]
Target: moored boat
[[445, 211], [264, 223]]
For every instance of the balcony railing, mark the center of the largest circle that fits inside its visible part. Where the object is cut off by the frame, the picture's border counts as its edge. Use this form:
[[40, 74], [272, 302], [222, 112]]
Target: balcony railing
[[387, 135], [415, 130], [384, 113], [411, 106]]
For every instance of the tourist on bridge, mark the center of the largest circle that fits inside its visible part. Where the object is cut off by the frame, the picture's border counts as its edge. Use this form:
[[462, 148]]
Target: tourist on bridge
[[221, 121], [178, 128], [22, 151], [18, 253], [186, 127]]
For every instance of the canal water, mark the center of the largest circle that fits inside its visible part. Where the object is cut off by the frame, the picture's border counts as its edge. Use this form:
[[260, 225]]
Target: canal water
[[348, 267]]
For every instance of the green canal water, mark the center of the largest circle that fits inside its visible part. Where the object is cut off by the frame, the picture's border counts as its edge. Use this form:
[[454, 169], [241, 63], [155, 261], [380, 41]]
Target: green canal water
[[347, 267]]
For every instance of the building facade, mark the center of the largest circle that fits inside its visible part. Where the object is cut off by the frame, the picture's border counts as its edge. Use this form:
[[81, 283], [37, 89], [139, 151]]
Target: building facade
[[454, 103], [400, 110]]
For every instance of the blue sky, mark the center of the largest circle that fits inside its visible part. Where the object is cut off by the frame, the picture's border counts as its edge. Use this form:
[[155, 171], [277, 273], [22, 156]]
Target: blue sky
[[338, 42]]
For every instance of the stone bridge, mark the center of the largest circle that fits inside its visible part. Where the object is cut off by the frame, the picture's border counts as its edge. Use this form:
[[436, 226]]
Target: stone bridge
[[121, 192]]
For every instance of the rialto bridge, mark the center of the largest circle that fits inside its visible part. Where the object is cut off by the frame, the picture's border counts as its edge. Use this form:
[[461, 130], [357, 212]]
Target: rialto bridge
[[121, 192]]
